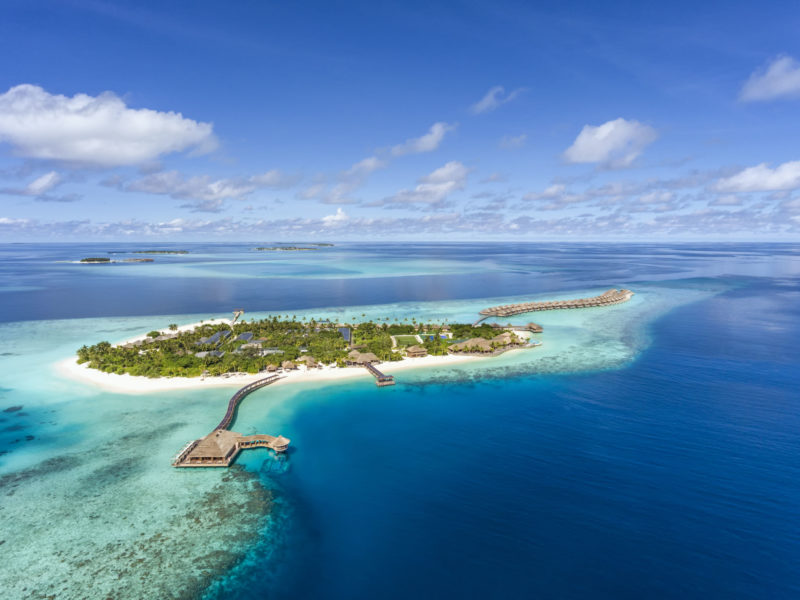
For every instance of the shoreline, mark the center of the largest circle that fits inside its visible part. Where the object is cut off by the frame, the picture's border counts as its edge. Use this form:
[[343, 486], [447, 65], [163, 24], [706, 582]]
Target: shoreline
[[134, 384]]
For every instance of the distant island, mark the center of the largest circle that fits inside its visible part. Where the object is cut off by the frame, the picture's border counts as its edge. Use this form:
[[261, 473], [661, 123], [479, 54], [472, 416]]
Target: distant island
[[283, 248], [281, 344], [104, 260], [160, 252]]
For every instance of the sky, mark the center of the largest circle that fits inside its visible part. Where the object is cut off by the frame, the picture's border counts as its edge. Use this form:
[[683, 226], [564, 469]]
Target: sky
[[436, 121]]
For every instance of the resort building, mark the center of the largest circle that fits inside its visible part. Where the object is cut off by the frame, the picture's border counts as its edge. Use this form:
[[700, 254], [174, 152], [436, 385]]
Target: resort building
[[477, 345], [361, 358], [416, 352]]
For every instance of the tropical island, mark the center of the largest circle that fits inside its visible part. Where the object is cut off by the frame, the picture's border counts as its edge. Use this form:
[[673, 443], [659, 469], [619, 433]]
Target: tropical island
[[160, 252], [269, 345], [284, 248], [105, 260]]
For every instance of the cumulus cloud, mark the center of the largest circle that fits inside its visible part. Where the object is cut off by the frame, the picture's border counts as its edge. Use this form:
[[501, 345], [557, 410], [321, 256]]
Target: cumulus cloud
[[336, 219], [426, 143], [762, 178], [511, 142], [94, 130], [779, 79], [614, 144], [433, 189], [203, 187], [493, 99]]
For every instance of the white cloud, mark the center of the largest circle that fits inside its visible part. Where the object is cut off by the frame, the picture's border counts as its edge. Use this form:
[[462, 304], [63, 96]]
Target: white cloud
[[39, 188], [509, 142], [43, 184], [365, 167], [779, 79], [209, 206], [427, 143], [615, 143], [8, 221], [433, 189], [313, 191], [203, 187], [555, 190], [336, 219], [727, 200], [762, 178], [94, 130], [494, 98]]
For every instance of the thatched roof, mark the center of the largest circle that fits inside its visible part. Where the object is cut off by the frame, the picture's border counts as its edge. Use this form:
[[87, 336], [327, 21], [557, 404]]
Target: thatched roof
[[480, 344], [287, 364], [368, 357], [215, 445], [504, 338], [416, 350]]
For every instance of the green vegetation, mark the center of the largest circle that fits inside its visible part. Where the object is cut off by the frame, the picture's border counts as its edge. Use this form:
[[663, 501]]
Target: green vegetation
[[282, 248], [273, 341], [95, 259]]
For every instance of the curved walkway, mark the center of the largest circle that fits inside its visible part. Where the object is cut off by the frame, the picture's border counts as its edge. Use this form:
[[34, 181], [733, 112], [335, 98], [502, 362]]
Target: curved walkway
[[220, 447]]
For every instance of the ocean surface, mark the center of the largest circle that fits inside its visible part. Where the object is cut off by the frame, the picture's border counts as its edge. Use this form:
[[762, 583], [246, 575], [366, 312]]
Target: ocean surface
[[645, 450]]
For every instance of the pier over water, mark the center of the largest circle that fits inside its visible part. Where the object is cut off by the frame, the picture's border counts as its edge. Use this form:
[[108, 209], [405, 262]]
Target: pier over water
[[220, 447], [607, 298]]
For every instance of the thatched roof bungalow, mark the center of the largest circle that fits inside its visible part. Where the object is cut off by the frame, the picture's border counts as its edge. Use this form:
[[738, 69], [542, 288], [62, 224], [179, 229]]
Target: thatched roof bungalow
[[308, 359], [288, 365], [416, 352], [476, 345], [361, 358]]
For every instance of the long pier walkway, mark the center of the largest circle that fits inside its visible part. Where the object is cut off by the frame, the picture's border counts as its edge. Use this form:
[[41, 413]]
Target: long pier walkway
[[607, 298], [220, 447], [381, 379]]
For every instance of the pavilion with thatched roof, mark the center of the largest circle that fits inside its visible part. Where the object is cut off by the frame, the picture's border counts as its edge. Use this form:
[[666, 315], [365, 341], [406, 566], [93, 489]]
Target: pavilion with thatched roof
[[477, 345]]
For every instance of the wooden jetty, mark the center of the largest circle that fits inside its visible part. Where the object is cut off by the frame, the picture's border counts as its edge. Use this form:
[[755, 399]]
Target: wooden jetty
[[607, 298], [381, 380], [220, 447]]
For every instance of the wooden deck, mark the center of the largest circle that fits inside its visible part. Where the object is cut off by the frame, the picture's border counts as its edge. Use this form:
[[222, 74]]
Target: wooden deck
[[381, 380], [607, 298], [220, 447]]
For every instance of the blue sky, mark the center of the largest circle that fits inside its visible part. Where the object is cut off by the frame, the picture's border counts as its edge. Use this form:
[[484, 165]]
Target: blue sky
[[452, 121]]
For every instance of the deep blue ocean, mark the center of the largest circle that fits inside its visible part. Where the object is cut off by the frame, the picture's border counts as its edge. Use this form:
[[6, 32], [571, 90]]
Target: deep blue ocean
[[674, 473]]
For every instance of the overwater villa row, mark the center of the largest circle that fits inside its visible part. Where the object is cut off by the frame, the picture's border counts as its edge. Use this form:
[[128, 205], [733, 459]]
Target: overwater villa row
[[607, 298]]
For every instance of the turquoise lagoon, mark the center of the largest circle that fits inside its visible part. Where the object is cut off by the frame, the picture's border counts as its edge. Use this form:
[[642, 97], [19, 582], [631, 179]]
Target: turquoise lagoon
[[500, 476]]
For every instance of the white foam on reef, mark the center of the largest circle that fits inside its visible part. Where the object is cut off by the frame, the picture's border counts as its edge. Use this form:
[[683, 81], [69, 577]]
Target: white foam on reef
[[91, 506]]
